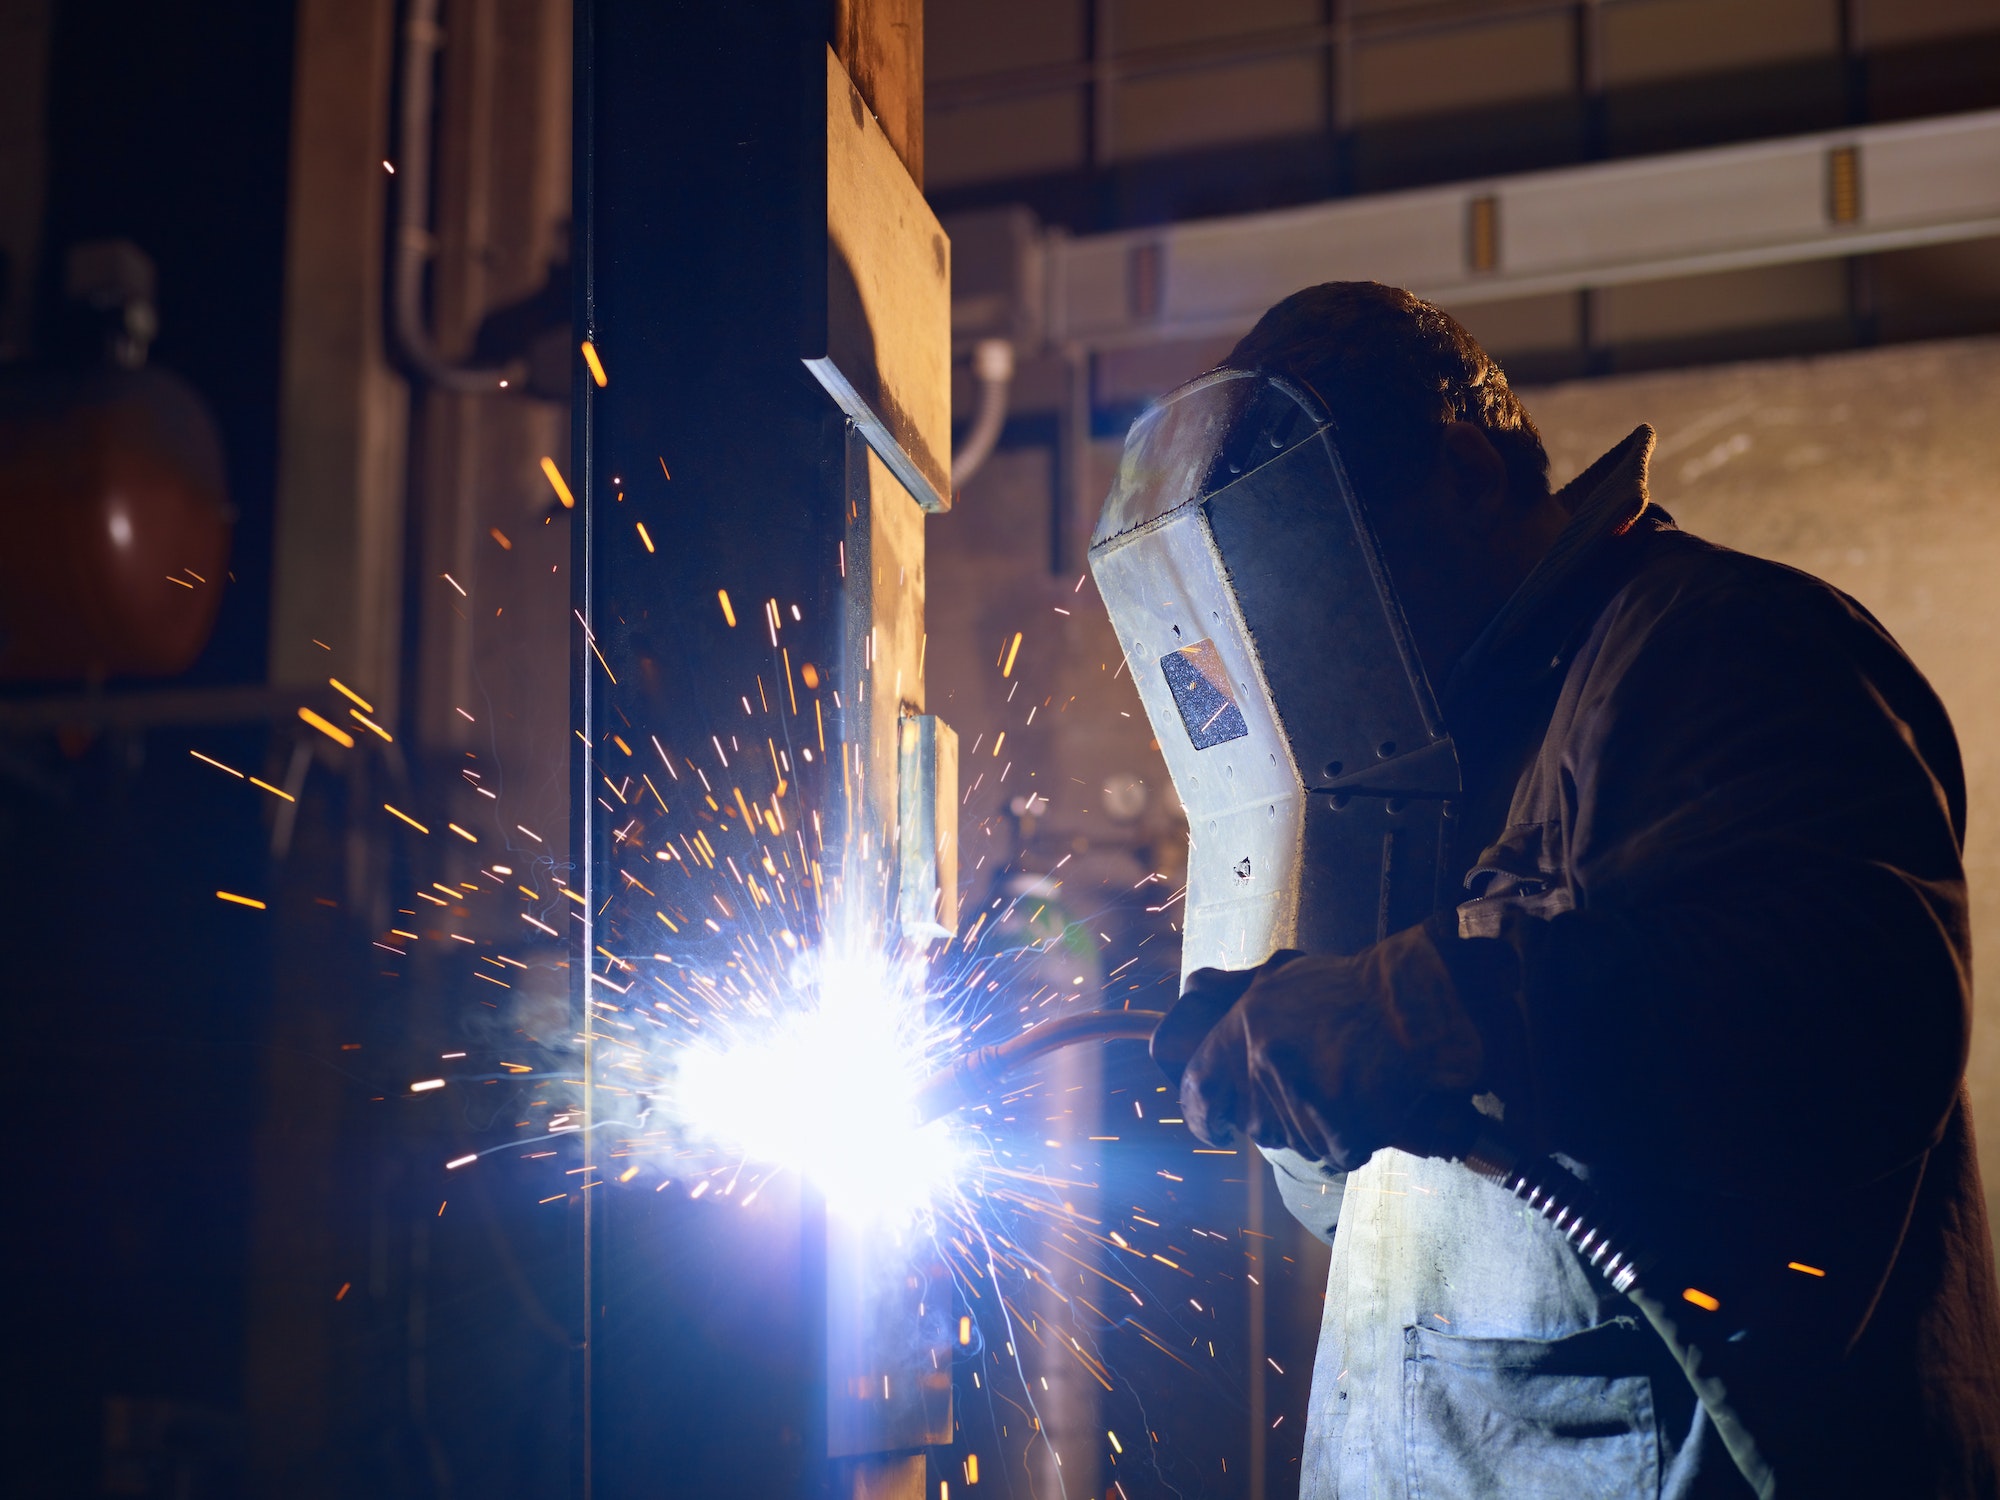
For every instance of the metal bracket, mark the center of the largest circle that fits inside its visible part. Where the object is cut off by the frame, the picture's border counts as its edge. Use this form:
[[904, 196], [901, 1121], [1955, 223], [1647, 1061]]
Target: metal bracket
[[882, 343], [927, 827]]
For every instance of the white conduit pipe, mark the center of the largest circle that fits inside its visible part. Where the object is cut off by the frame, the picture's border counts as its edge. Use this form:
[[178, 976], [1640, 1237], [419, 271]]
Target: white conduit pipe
[[422, 37], [993, 363]]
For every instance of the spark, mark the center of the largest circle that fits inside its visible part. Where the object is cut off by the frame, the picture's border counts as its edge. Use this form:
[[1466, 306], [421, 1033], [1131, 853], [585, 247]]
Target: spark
[[588, 636], [249, 901], [1700, 1299], [828, 1087], [369, 724], [328, 728], [596, 365], [398, 812], [789, 1030], [558, 484], [348, 693]]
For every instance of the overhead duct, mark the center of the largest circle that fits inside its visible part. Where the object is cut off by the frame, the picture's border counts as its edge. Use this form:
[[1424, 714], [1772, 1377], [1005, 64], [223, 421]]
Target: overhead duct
[[1856, 191]]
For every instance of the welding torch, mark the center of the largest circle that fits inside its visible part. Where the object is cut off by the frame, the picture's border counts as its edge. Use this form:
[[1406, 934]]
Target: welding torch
[[974, 1075], [1450, 1128]]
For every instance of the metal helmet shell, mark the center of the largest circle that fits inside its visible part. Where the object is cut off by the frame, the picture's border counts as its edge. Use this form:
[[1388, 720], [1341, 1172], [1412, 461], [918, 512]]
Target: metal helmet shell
[[1249, 594]]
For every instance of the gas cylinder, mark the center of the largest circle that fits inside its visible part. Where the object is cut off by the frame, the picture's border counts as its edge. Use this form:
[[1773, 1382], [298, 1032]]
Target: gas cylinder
[[114, 521]]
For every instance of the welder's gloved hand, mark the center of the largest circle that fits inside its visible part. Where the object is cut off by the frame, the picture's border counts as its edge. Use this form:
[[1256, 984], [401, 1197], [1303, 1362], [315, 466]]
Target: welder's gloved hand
[[1210, 995], [1335, 1058]]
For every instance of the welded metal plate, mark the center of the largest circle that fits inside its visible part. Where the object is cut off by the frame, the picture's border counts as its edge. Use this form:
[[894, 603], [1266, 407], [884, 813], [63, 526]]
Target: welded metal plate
[[886, 340], [888, 1354], [927, 827]]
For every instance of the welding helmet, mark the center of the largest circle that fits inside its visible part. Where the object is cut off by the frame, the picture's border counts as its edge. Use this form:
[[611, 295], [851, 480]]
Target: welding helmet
[[1249, 595]]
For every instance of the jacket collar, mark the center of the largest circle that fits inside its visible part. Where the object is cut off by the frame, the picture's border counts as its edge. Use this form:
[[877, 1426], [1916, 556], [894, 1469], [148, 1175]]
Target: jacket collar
[[1605, 502]]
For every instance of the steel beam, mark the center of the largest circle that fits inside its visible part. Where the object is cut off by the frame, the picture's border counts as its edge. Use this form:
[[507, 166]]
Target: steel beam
[[1839, 193]]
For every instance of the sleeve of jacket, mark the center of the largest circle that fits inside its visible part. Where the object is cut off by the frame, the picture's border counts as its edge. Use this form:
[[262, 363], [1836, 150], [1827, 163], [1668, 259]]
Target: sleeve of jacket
[[1764, 983]]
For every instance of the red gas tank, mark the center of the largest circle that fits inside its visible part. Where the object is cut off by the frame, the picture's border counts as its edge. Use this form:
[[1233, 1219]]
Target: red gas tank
[[114, 524]]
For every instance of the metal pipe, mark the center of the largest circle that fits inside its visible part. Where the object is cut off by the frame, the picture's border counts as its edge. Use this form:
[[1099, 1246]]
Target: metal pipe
[[422, 36], [993, 363]]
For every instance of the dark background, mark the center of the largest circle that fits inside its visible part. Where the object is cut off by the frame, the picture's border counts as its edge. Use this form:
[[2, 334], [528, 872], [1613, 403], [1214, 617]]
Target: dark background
[[135, 997]]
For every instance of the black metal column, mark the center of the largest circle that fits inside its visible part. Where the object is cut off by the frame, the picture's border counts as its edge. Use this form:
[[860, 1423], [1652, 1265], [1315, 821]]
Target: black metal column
[[700, 213]]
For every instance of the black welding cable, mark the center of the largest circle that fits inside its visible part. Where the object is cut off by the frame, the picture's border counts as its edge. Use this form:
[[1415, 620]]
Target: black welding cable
[[1454, 1130], [1448, 1128], [974, 1074]]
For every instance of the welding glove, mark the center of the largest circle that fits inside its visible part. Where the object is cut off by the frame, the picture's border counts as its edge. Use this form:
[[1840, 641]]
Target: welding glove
[[1335, 1058], [1209, 996]]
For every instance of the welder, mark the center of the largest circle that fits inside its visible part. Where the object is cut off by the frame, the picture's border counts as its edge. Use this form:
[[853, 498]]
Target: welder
[[1531, 804]]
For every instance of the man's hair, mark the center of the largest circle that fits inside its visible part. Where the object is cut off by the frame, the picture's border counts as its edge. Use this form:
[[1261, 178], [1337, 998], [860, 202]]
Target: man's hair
[[1393, 371]]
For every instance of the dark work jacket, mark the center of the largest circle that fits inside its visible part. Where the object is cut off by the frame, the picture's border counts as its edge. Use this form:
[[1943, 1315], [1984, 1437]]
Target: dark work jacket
[[1716, 937]]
